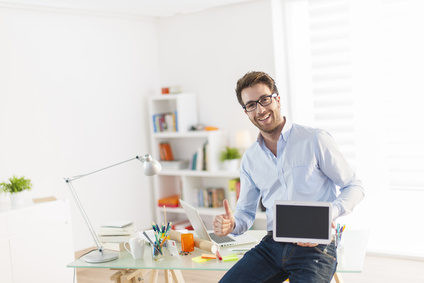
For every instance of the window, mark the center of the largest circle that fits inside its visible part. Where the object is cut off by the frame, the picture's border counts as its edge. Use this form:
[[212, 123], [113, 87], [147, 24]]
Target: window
[[355, 68]]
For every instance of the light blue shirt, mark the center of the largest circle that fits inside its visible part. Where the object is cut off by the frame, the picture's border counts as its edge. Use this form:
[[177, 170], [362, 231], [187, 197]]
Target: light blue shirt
[[308, 167]]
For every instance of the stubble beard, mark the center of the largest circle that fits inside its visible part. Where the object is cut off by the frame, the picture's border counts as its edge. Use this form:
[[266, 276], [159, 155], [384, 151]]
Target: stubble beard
[[275, 128]]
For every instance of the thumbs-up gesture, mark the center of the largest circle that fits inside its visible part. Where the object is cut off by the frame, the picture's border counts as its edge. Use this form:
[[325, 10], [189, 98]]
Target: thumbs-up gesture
[[224, 224]]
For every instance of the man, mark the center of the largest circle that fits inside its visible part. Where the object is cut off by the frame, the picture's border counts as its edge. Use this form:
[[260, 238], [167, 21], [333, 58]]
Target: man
[[287, 162]]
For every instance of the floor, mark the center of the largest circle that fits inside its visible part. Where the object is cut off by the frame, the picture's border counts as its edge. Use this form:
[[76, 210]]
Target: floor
[[376, 269]]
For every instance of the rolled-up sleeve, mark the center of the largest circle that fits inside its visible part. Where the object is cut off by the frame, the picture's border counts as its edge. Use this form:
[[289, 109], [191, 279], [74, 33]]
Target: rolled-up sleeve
[[247, 203]]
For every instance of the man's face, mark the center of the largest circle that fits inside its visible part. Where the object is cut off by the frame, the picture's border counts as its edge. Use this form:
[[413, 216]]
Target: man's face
[[266, 118]]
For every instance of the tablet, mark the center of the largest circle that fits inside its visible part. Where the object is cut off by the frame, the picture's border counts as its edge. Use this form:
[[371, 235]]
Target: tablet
[[305, 222]]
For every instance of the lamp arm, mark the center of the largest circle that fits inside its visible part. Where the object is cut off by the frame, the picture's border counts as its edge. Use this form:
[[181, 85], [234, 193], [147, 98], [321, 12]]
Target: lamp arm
[[110, 166], [84, 215]]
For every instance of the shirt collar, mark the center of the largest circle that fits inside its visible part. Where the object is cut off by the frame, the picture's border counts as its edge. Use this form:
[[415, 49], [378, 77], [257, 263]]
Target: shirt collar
[[285, 133]]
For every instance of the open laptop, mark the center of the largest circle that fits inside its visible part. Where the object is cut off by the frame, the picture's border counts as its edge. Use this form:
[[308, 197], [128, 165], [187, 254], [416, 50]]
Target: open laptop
[[200, 229], [307, 222]]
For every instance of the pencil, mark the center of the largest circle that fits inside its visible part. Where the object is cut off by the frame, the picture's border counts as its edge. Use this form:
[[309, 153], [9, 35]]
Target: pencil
[[164, 213]]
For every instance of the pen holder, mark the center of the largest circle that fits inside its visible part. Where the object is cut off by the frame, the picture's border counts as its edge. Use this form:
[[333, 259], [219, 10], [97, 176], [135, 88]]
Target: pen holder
[[156, 255]]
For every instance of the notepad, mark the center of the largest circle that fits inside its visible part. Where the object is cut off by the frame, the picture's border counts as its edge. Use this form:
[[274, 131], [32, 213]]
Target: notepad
[[230, 257], [199, 259]]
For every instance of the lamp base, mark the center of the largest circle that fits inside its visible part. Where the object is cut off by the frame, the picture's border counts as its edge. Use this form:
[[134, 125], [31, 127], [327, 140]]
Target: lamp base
[[96, 256]]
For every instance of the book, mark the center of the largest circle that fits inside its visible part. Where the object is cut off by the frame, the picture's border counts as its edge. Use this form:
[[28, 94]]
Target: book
[[112, 231], [199, 161], [171, 201], [118, 224]]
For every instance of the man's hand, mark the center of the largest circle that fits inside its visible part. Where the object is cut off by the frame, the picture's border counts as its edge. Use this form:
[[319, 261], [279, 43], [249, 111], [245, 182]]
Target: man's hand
[[224, 224], [333, 225]]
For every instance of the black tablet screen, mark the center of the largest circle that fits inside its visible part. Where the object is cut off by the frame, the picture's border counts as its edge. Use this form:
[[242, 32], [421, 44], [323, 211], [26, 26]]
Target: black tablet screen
[[295, 221]]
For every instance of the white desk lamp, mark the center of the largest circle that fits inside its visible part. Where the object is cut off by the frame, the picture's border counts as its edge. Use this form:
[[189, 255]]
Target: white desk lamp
[[151, 167]]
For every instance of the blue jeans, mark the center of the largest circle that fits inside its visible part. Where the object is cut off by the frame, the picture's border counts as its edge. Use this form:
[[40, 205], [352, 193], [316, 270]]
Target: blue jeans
[[271, 261]]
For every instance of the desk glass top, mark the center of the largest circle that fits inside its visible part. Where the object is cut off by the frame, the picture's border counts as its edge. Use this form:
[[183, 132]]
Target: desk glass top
[[182, 262]]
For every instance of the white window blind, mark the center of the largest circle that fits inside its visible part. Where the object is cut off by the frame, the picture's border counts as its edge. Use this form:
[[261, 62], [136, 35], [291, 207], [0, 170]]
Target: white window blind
[[326, 46], [320, 67], [402, 43]]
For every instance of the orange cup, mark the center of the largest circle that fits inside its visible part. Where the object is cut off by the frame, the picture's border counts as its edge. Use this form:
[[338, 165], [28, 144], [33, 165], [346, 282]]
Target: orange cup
[[187, 242]]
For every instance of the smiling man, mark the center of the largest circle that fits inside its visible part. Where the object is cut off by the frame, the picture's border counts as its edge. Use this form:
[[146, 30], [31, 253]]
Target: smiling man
[[287, 162]]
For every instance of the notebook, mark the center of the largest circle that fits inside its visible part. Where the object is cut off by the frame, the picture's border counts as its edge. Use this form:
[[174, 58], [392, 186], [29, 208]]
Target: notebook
[[200, 229], [307, 222]]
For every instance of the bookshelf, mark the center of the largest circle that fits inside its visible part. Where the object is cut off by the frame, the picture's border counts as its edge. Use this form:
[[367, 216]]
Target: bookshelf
[[189, 181]]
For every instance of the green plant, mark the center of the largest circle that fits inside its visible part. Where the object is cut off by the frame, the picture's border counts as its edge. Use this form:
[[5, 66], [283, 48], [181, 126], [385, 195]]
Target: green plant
[[230, 153], [16, 185]]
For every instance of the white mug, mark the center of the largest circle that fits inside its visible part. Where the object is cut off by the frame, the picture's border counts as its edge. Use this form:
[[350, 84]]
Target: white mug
[[136, 248]]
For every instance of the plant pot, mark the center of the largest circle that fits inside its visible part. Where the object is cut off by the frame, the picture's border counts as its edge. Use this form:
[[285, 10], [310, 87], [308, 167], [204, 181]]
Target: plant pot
[[17, 200], [231, 165]]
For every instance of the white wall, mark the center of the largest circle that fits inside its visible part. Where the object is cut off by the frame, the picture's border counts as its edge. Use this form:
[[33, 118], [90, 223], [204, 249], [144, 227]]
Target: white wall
[[72, 100], [207, 52]]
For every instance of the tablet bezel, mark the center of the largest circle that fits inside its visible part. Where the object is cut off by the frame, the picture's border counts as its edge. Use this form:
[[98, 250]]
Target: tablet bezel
[[302, 240]]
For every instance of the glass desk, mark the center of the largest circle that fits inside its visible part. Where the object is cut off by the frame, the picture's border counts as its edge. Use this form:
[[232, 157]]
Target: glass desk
[[174, 264]]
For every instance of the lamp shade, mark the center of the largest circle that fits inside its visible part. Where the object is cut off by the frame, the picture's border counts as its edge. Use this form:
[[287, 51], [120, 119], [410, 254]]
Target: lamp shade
[[151, 166]]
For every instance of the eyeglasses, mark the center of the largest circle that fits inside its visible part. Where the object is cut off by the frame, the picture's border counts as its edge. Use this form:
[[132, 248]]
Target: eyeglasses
[[263, 101]]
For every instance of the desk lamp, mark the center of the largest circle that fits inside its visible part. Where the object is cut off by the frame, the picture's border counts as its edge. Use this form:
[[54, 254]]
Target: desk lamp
[[151, 167]]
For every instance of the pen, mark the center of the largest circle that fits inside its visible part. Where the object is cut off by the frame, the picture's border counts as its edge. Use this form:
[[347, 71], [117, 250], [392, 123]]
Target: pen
[[144, 233]]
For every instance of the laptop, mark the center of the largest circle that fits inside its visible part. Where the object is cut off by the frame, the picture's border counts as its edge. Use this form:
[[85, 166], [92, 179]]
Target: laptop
[[200, 229], [305, 222]]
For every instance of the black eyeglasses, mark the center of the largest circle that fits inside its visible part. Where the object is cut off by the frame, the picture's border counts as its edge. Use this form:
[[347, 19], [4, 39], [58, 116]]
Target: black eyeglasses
[[263, 101]]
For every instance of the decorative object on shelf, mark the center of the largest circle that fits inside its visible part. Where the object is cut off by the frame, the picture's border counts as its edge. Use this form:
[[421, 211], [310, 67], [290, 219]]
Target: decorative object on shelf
[[15, 187], [175, 89], [151, 167], [201, 127], [165, 90], [230, 158]]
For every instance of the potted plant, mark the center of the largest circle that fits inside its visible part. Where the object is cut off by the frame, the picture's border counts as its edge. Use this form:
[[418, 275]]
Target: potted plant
[[230, 158], [15, 187]]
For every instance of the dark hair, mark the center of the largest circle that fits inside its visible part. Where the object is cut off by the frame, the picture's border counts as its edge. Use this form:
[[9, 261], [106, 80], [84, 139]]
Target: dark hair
[[253, 78]]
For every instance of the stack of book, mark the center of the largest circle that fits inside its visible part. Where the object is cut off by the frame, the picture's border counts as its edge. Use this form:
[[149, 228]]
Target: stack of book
[[113, 236], [165, 151], [165, 122], [211, 197]]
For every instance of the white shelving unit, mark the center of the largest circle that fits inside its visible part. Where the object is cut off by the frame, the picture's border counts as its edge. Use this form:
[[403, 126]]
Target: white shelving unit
[[184, 143]]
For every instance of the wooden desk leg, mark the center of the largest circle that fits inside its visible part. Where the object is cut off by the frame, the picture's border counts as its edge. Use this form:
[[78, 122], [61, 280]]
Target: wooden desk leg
[[177, 276], [154, 276], [168, 276], [338, 278]]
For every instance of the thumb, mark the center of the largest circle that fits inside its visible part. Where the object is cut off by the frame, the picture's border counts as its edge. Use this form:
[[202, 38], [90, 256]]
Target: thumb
[[228, 211]]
